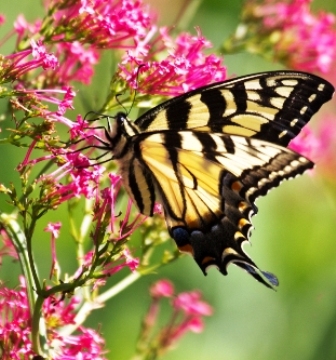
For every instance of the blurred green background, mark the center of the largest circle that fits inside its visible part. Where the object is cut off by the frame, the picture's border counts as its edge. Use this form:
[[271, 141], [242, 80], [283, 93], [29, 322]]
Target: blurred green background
[[294, 238]]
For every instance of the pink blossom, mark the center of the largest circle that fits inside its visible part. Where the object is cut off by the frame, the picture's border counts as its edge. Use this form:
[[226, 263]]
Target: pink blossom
[[39, 53], [187, 312], [77, 62], [129, 262], [191, 304], [17, 64], [327, 150], [86, 346], [186, 66], [14, 325], [8, 248], [41, 99], [304, 41], [105, 24], [162, 288], [15, 328], [68, 62], [2, 19], [83, 181], [307, 144], [319, 146], [22, 27], [194, 324], [54, 229], [79, 129]]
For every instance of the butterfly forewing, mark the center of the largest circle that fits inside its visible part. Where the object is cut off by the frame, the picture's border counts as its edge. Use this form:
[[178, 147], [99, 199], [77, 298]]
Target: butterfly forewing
[[273, 106], [208, 154]]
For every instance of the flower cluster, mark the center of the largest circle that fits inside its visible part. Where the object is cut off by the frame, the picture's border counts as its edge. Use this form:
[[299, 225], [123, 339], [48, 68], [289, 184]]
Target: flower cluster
[[186, 67], [288, 32], [188, 310], [15, 329], [303, 40]]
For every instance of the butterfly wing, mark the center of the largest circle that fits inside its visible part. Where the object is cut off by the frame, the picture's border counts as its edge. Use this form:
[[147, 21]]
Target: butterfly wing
[[272, 106], [207, 184]]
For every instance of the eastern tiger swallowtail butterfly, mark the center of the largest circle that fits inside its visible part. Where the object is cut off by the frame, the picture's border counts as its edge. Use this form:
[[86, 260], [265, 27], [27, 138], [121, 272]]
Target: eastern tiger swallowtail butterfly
[[208, 154]]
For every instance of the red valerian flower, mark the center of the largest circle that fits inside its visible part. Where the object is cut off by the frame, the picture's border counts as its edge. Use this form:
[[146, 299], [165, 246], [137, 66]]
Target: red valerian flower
[[162, 288], [301, 39], [171, 67], [188, 309], [15, 328], [105, 24]]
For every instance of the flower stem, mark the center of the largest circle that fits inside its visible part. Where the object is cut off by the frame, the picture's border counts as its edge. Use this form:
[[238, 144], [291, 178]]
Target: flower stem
[[29, 270], [88, 306]]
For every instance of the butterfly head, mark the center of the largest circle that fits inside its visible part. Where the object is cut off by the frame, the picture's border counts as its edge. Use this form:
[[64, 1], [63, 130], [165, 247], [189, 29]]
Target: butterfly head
[[119, 132]]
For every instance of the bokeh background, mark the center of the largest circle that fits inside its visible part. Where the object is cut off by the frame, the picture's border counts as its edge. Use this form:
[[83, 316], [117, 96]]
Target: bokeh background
[[294, 238]]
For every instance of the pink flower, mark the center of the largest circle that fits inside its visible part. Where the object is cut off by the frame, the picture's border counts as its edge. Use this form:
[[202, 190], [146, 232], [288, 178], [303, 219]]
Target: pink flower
[[105, 24], [7, 249], [39, 53], [14, 325], [76, 63], [80, 129], [15, 329], [194, 324], [129, 262], [191, 304], [22, 27], [162, 288], [186, 66], [2, 19], [327, 149], [301, 39], [307, 144], [17, 64], [54, 229], [187, 312]]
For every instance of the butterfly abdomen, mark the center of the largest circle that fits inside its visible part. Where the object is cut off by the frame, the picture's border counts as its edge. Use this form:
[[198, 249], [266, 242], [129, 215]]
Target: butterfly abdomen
[[136, 177]]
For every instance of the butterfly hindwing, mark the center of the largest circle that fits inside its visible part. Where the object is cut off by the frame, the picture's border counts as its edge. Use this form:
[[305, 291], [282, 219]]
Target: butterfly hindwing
[[212, 181], [208, 154]]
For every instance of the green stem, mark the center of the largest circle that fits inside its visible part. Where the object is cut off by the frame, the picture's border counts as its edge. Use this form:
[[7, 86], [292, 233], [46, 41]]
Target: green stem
[[32, 265], [39, 331], [29, 271], [88, 306], [20, 243]]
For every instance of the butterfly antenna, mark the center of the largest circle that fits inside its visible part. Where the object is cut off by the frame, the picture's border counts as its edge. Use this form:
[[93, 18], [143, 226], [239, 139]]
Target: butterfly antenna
[[98, 116], [135, 92]]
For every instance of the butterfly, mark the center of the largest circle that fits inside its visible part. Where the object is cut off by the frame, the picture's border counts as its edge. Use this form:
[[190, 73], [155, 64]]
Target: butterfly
[[208, 154]]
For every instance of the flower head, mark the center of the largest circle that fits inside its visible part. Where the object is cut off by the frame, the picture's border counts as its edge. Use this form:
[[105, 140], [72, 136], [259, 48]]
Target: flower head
[[300, 39], [171, 67], [104, 24], [188, 308], [162, 288], [15, 328]]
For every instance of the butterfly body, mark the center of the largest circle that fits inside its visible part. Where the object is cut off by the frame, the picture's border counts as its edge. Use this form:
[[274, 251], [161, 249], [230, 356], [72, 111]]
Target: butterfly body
[[208, 154]]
